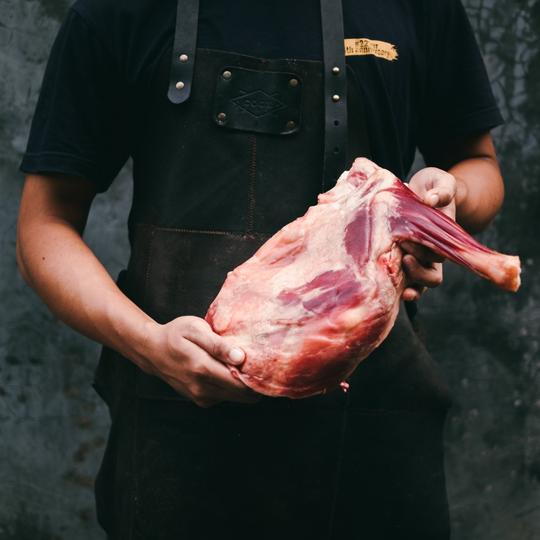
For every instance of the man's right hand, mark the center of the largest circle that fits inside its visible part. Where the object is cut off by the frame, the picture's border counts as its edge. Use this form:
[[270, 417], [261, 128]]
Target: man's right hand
[[56, 262], [191, 358]]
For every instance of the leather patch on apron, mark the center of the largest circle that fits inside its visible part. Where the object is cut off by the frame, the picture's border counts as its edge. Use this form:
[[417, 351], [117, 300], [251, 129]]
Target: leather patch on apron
[[257, 100]]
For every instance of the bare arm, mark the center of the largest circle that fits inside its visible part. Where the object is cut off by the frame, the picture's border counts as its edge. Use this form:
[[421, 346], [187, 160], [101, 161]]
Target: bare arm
[[479, 185], [56, 262], [463, 179]]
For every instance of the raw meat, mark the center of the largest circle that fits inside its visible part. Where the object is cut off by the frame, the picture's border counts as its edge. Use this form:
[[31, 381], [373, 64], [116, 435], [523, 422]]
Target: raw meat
[[324, 291]]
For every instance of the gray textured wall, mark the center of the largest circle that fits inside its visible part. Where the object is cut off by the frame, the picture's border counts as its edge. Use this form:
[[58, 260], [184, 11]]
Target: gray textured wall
[[53, 427]]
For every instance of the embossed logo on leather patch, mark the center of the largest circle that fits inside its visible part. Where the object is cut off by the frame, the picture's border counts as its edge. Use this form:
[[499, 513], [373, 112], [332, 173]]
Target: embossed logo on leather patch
[[365, 46], [258, 103]]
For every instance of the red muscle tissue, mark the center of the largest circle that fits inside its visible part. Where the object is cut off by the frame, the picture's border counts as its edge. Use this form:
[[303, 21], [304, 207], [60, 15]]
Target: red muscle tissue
[[324, 291]]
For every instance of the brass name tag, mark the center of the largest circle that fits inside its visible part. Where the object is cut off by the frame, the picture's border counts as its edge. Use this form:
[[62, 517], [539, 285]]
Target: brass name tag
[[364, 46]]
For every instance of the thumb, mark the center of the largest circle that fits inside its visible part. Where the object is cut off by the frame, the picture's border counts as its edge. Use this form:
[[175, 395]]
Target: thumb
[[438, 197], [198, 331]]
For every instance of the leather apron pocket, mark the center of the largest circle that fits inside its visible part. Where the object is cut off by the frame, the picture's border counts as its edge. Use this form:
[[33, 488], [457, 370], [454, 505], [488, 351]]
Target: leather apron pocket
[[178, 272]]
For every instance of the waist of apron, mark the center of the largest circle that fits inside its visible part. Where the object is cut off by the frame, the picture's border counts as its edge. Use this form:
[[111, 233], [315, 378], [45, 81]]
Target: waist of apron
[[399, 375]]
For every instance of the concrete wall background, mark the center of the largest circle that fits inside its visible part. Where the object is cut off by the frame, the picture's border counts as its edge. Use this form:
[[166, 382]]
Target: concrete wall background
[[53, 427]]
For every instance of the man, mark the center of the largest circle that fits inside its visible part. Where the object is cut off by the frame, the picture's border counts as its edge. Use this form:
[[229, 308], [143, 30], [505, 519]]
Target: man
[[236, 116]]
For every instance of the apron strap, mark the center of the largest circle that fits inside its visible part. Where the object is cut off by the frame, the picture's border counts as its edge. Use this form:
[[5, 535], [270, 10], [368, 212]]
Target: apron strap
[[335, 92], [335, 77], [184, 46]]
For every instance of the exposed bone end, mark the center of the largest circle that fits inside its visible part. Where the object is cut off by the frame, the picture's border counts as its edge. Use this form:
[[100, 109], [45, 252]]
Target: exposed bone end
[[511, 270], [502, 270]]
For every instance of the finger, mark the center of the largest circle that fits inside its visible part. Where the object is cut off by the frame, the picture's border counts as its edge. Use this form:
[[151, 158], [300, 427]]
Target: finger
[[422, 275], [439, 197], [423, 254], [211, 371], [208, 395], [235, 396], [198, 331], [413, 292], [443, 190], [410, 295]]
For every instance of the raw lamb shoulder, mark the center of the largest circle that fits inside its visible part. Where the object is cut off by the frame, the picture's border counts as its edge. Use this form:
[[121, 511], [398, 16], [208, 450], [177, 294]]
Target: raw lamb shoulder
[[324, 291]]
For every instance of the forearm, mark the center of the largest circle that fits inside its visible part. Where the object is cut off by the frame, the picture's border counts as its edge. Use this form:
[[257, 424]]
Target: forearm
[[480, 192], [75, 286], [53, 258]]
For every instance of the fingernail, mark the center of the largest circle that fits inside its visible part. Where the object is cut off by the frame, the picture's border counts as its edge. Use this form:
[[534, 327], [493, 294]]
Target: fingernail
[[434, 198], [236, 355]]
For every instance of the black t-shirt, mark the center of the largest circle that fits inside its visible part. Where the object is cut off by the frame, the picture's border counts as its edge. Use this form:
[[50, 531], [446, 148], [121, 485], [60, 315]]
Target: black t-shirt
[[425, 82]]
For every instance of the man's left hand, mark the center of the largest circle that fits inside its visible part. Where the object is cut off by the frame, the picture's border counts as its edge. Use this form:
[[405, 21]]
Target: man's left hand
[[422, 266]]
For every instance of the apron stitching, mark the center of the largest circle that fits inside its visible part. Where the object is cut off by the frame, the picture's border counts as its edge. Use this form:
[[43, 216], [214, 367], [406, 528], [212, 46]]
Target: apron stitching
[[209, 231], [148, 266], [252, 172], [338, 466]]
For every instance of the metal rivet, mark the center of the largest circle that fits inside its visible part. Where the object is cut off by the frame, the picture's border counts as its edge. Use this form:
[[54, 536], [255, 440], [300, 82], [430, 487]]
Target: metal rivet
[[221, 117], [335, 98], [335, 70], [226, 75], [183, 58], [293, 83], [291, 124], [180, 85]]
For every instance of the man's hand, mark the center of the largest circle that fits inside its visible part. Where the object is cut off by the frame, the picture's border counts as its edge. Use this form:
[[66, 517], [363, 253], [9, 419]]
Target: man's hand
[[54, 259], [422, 267], [192, 359]]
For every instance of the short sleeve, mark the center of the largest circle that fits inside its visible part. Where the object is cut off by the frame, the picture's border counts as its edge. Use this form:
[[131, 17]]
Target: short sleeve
[[79, 125], [458, 95]]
